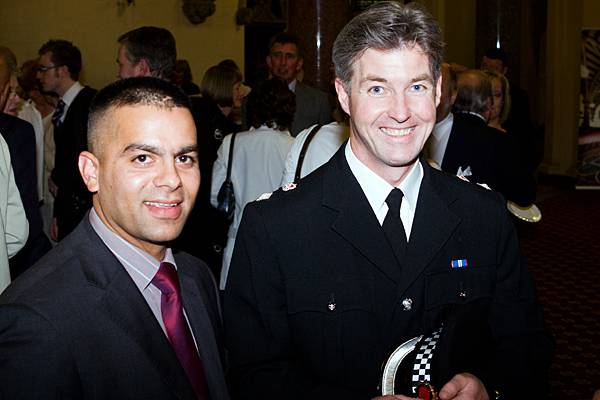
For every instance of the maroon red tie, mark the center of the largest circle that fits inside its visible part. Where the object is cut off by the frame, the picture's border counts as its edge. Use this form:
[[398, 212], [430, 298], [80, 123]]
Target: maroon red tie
[[177, 328]]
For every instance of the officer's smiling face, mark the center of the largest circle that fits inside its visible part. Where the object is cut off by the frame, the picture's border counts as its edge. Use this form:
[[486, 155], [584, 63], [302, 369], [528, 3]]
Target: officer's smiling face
[[392, 103]]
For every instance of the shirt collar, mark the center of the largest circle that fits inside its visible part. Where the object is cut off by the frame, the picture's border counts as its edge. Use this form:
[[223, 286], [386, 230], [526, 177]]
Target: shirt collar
[[292, 85], [140, 265], [71, 93], [475, 114], [376, 189]]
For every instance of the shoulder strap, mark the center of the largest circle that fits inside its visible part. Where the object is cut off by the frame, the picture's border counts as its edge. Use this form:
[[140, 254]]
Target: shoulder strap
[[230, 159], [303, 151]]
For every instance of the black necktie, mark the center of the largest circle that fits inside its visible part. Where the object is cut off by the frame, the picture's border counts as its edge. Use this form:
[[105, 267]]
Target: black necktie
[[392, 225], [58, 112]]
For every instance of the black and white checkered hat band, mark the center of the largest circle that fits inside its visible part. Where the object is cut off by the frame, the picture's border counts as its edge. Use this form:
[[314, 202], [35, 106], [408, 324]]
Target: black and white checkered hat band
[[422, 367]]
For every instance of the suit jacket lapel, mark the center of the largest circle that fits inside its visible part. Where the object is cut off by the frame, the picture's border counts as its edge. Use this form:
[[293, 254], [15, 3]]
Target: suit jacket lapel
[[127, 308], [356, 222], [432, 226]]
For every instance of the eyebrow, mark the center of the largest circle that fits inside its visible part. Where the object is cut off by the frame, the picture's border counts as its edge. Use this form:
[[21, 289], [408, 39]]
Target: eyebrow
[[186, 150], [375, 78], [158, 151]]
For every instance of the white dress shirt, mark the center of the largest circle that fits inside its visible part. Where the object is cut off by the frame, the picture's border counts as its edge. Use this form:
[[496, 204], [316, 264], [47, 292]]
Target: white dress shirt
[[376, 189], [68, 98]]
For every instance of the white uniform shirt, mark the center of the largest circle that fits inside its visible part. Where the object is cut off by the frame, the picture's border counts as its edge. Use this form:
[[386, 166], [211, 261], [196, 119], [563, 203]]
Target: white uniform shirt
[[376, 189]]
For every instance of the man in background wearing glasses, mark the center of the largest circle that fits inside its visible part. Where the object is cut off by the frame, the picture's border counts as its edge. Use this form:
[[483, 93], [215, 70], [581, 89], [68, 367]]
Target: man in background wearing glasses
[[58, 71]]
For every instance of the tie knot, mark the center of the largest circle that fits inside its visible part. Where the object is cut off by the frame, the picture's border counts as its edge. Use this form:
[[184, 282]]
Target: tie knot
[[394, 200], [166, 279], [58, 112]]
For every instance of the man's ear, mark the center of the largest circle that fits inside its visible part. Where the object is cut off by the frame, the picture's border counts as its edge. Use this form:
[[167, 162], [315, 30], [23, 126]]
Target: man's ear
[[343, 96], [89, 168], [143, 68], [269, 61], [63, 71], [300, 64]]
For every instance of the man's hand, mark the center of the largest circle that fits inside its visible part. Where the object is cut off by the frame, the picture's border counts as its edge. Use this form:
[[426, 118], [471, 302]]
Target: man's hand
[[463, 387]]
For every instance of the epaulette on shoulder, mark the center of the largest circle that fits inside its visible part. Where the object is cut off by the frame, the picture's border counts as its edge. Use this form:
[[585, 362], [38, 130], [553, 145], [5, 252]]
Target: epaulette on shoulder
[[264, 196], [285, 188], [289, 186], [483, 185]]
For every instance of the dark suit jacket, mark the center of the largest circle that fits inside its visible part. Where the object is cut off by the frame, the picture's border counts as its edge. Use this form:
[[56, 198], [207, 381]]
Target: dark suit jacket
[[20, 137], [75, 326], [312, 107], [491, 155], [314, 296], [73, 199]]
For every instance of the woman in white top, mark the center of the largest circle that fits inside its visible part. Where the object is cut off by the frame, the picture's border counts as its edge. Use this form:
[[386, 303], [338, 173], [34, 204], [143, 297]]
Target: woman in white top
[[258, 154]]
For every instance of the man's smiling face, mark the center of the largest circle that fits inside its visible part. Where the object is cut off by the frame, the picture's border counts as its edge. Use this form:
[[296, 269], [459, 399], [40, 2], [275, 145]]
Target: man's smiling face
[[392, 107]]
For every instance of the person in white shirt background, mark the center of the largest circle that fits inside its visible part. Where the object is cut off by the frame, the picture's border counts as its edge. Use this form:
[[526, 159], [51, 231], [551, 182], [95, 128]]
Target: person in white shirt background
[[258, 154]]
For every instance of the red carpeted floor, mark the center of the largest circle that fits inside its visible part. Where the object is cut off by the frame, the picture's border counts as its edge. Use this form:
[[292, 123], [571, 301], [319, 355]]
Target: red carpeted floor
[[563, 252]]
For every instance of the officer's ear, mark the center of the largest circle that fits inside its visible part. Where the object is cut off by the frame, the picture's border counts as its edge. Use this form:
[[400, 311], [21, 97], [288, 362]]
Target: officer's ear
[[343, 95], [89, 168]]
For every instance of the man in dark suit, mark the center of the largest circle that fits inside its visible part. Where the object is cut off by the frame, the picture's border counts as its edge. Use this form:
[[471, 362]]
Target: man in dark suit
[[20, 138], [112, 311], [478, 152], [285, 62], [375, 248], [59, 66]]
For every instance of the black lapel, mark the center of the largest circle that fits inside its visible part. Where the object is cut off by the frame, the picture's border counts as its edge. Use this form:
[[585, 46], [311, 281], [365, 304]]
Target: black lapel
[[126, 307], [356, 222], [433, 225]]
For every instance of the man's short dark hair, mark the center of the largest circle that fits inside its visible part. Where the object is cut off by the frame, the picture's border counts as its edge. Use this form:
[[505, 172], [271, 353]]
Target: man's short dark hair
[[63, 53], [285, 38], [138, 91], [474, 92], [153, 44], [387, 25], [273, 104]]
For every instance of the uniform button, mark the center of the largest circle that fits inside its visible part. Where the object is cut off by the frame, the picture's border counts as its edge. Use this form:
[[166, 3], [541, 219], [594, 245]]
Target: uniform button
[[407, 304]]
